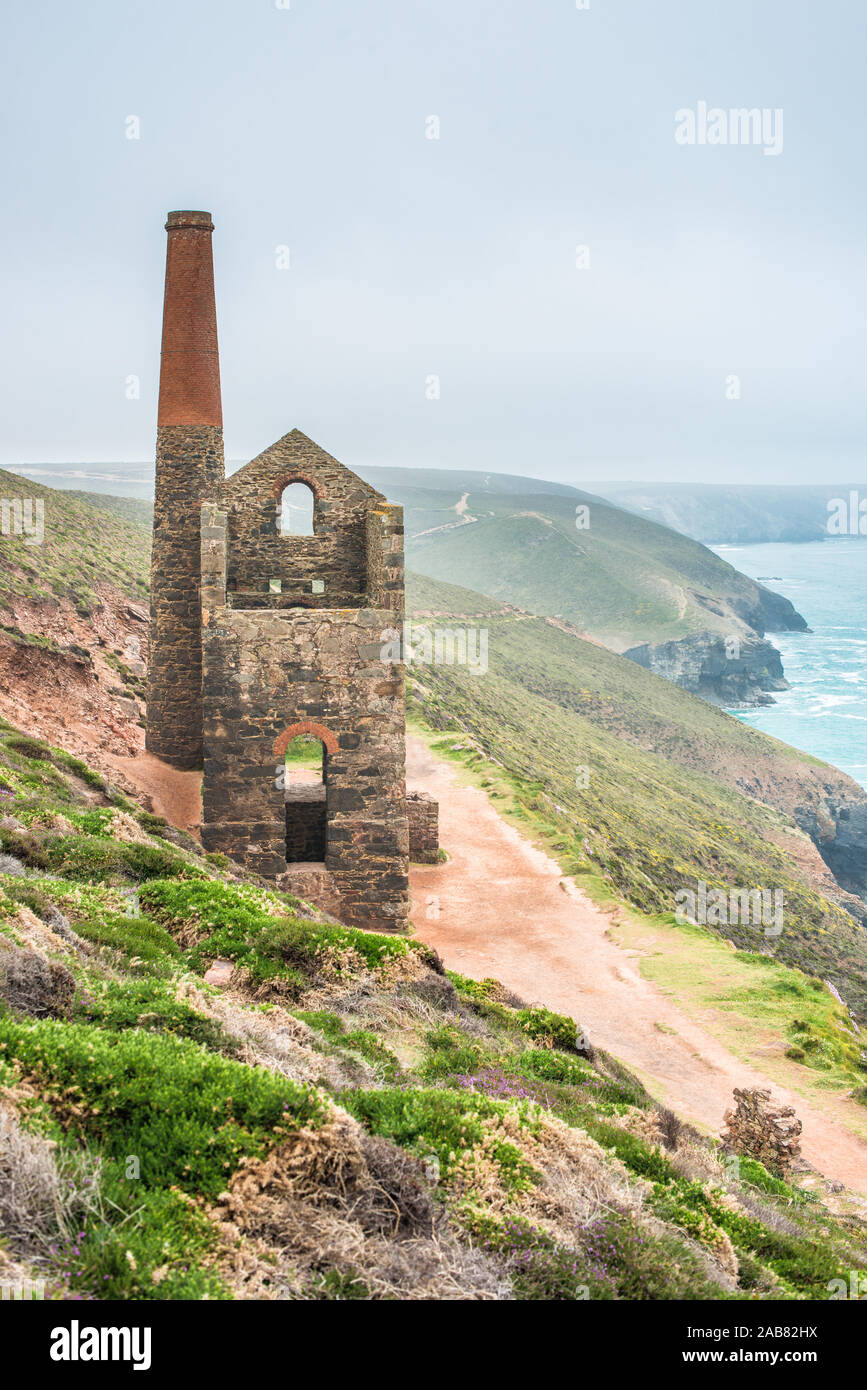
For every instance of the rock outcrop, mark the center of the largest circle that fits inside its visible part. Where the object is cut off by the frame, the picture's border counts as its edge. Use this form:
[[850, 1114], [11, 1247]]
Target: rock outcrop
[[839, 831], [724, 671]]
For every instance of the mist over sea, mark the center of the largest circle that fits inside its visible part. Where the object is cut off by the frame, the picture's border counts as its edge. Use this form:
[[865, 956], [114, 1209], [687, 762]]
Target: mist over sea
[[825, 712]]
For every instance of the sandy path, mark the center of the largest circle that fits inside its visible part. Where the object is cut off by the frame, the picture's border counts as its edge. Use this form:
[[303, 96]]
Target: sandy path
[[501, 907]]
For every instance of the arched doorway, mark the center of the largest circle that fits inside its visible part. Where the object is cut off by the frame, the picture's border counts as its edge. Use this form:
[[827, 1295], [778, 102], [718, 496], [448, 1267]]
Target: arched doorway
[[304, 750]]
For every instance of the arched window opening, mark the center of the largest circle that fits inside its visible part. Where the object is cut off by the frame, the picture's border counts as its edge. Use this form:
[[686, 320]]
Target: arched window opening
[[296, 510], [304, 771]]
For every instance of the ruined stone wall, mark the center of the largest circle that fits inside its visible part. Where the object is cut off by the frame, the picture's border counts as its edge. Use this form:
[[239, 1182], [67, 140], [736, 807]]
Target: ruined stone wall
[[763, 1129], [336, 555], [265, 672], [384, 558], [189, 468], [423, 816]]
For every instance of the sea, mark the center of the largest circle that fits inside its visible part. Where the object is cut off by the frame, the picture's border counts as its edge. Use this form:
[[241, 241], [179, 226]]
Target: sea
[[825, 710]]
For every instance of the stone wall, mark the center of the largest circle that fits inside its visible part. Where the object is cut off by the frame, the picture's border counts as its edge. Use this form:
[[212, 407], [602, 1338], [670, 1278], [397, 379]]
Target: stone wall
[[385, 562], [762, 1129], [336, 555], [189, 468], [266, 672], [423, 817]]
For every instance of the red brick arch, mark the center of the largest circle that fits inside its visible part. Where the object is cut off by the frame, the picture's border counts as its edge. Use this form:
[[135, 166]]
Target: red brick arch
[[287, 479], [304, 726]]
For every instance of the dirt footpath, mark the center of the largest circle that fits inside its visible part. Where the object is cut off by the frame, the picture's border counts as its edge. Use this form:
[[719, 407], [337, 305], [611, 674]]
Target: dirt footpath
[[501, 907]]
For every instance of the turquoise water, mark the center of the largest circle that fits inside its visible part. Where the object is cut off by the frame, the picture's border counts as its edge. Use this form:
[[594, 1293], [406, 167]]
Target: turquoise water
[[825, 712]]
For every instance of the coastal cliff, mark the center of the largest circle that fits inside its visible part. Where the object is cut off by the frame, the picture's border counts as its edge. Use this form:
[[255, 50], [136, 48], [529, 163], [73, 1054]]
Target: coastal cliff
[[724, 671]]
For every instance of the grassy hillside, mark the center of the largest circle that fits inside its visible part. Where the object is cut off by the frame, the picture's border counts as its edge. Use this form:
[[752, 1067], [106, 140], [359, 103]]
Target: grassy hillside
[[623, 579], [661, 809], [135, 510], [83, 545], [345, 1122]]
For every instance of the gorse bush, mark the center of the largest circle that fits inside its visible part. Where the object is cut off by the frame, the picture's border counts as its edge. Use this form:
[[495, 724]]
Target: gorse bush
[[446, 1125], [135, 938], [152, 1005], [553, 1030], [234, 922], [99, 858], [187, 1114]]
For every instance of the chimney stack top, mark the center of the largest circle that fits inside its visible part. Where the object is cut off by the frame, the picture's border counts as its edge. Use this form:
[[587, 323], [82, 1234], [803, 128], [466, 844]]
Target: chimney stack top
[[200, 221]]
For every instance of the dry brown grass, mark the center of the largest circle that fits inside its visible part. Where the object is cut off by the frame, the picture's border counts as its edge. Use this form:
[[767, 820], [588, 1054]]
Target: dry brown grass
[[337, 1200], [42, 1196], [32, 985]]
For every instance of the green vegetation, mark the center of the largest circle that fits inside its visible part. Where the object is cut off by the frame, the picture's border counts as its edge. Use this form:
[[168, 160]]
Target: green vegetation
[[81, 548], [402, 1101], [187, 1115], [621, 577], [362, 1041], [560, 731], [252, 928]]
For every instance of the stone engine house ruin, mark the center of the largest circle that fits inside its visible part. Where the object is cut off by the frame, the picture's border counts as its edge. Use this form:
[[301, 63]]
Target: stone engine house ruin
[[261, 636]]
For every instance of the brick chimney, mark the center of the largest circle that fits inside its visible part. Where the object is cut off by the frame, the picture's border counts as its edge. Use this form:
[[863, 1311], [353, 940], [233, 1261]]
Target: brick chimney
[[190, 364], [189, 470]]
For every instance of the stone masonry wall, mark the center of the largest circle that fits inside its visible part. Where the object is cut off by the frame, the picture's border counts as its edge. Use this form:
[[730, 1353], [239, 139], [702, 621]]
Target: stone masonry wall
[[423, 817], [265, 671], [763, 1129], [385, 563], [336, 555], [189, 468]]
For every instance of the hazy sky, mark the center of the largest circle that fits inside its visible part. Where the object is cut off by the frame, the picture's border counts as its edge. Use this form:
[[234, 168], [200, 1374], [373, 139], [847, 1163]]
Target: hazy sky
[[306, 127]]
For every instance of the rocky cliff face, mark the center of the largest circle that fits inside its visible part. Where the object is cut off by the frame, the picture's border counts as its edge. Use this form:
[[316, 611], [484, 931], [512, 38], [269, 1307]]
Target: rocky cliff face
[[771, 613], [724, 671], [838, 828]]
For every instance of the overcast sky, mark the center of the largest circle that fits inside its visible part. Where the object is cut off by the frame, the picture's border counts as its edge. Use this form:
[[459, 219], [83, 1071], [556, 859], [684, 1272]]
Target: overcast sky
[[412, 258]]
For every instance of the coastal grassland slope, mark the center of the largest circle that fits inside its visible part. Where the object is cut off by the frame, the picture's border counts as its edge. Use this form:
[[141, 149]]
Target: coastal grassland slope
[[345, 1121], [83, 546], [622, 579], [631, 584], [645, 785]]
